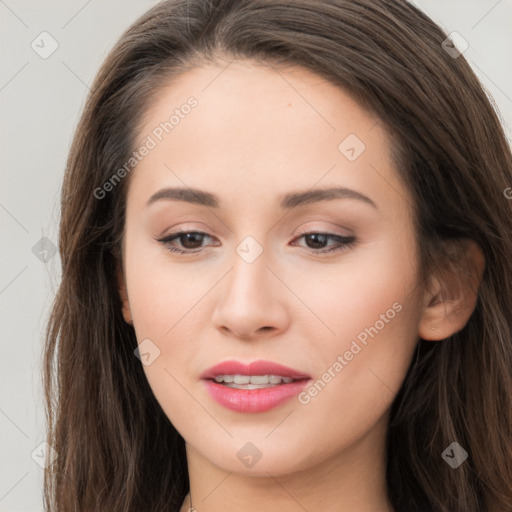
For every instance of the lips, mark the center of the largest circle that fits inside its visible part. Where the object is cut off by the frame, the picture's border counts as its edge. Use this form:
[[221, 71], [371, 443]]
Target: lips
[[248, 399], [255, 368]]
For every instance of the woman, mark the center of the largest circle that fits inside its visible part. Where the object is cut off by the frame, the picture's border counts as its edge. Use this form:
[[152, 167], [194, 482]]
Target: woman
[[287, 283]]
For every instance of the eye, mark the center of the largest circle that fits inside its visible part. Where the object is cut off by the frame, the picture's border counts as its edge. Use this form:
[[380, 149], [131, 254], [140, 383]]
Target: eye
[[191, 241], [321, 238]]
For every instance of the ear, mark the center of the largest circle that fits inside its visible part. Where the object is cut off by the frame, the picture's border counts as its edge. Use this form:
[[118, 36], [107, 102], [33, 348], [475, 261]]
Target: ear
[[123, 294], [451, 300]]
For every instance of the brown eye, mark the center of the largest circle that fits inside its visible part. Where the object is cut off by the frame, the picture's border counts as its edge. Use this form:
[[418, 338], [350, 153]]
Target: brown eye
[[190, 241], [318, 240]]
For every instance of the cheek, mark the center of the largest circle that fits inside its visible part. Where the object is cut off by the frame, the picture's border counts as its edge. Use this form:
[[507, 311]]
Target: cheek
[[369, 294], [371, 309], [166, 301], [361, 373], [163, 293]]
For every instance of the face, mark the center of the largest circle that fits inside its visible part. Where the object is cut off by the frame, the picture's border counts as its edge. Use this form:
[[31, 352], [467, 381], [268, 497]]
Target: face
[[325, 285]]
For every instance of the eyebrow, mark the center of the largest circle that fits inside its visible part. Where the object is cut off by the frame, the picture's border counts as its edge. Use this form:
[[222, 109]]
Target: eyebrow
[[286, 201]]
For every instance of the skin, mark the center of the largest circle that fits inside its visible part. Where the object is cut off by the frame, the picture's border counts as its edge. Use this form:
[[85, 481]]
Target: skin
[[255, 134]]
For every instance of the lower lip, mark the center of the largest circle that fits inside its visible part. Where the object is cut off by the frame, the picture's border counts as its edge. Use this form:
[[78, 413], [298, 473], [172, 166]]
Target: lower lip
[[253, 400]]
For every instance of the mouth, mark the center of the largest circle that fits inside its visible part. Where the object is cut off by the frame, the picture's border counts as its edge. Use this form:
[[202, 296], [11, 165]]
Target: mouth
[[255, 387], [255, 369]]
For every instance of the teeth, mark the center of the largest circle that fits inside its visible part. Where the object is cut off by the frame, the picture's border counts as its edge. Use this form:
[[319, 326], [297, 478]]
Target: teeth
[[247, 380], [257, 379], [250, 386]]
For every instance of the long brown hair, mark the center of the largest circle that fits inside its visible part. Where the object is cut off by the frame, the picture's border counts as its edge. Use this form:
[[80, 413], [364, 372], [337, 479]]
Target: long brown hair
[[117, 450]]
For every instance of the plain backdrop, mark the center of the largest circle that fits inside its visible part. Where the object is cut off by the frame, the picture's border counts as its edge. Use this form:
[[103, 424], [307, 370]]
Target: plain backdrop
[[41, 97]]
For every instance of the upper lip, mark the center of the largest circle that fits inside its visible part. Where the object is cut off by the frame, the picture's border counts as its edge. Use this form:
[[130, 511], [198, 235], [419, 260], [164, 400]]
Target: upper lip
[[260, 367]]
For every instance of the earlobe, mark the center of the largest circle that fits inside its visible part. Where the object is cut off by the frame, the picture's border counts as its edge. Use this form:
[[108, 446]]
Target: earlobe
[[124, 296], [451, 300]]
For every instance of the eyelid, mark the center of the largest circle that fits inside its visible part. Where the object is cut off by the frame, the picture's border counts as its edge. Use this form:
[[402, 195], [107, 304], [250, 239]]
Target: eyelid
[[314, 229], [345, 243], [304, 230]]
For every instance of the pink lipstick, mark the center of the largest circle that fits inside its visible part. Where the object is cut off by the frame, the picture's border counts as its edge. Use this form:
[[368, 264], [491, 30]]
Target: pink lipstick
[[255, 387]]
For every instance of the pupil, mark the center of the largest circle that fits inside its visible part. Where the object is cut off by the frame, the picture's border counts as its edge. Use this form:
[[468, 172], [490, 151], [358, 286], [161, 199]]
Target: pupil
[[189, 237], [315, 237]]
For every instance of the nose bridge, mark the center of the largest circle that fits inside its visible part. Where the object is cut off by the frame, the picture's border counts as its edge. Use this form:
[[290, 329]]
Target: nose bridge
[[248, 300], [248, 281]]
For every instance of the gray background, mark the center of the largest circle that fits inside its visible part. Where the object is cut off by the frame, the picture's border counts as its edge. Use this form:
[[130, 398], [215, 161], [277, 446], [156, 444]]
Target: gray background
[[41, 99]]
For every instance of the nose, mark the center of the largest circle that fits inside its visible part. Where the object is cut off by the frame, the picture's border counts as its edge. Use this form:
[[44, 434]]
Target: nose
[[251, 301]]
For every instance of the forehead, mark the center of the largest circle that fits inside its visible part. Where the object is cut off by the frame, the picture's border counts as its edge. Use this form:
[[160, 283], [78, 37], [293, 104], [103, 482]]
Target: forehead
[[255, 126], [231, 94]]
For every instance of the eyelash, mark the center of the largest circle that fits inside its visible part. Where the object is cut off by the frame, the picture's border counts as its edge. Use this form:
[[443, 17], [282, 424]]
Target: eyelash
[[347, 242]]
